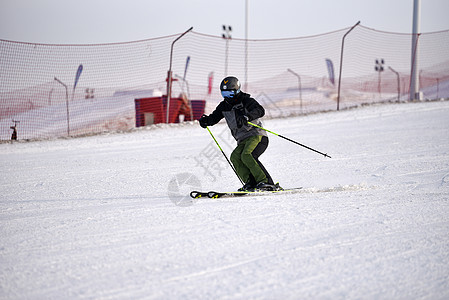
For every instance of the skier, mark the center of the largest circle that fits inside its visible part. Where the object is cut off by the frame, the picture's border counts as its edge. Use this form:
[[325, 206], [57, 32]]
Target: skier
[[238, 108]]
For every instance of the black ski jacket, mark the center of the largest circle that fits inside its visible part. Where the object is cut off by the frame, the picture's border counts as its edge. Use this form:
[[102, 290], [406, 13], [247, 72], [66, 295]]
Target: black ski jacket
[[244, 104]]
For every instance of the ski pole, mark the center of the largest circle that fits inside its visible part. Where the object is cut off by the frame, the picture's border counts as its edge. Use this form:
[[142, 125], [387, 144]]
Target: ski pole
[[290, 140], [225, 155]]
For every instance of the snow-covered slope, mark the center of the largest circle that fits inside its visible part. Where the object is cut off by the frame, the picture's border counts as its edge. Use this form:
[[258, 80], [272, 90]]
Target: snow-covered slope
[[96, 217]]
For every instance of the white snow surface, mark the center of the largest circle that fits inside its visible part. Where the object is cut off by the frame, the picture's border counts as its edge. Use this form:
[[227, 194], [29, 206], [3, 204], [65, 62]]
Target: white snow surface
[[108, 216]]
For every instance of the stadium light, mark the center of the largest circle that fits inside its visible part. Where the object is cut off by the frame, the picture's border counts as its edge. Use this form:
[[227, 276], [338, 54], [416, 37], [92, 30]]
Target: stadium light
[[227, 36], [379, 67]]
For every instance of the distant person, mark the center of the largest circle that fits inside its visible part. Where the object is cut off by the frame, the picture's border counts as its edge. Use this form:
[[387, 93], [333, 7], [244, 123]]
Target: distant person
[[238, 108]]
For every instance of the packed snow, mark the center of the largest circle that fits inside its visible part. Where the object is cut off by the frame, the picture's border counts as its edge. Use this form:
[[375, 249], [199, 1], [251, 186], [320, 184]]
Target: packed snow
[[109, 216]]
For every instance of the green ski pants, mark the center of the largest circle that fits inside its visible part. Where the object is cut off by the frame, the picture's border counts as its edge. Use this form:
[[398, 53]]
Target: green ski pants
[[244, 162]]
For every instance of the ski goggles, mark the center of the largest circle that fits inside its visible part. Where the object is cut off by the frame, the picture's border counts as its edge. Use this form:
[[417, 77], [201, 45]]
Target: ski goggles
[[229, 94]]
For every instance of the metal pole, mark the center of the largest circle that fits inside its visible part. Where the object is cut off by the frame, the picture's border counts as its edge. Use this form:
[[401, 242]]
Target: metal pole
[[169, 77], [226, 63], [379, 67], [341, 63], [399, 82], [299, 86], [227, 36], [290, 140], [246, 45], [438, 87], [49, 97], [188, 95], [67, 104], [230, 164], [414, 77]]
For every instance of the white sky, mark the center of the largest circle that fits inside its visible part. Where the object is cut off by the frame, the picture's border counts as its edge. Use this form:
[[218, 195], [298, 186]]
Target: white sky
[[104, 21]]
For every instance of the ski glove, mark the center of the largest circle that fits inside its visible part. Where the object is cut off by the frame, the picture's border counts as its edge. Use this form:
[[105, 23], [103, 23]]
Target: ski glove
[[241, 118], [204, 121]]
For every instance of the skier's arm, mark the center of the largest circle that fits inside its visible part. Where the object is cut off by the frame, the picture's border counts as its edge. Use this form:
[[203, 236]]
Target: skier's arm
[[216, 115], [254, 110], [213, 118]]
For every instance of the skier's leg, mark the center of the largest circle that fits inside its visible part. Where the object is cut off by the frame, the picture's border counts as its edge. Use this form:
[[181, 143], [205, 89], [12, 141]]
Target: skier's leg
[[236, 159], [260, 148], [250, 162]]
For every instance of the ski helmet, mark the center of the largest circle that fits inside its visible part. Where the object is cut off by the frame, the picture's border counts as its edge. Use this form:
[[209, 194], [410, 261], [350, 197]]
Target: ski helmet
[[230, 87]]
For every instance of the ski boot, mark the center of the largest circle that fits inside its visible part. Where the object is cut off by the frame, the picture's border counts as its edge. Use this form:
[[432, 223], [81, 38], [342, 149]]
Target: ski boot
[[247, 187], [263, 186], [277, 187]]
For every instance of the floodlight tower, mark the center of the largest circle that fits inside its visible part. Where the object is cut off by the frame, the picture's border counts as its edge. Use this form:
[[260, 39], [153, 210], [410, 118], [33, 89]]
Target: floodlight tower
[[379, 67], [227, 36]]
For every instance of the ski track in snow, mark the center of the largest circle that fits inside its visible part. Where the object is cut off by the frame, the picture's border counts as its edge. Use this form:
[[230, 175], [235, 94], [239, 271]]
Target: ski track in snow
[[95, 217]]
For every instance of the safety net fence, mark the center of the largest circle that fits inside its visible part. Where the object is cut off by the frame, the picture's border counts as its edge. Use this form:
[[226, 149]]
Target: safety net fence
[[49, 90]]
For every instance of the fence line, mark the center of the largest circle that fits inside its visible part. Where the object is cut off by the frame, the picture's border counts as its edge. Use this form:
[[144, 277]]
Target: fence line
[[117, 73]]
